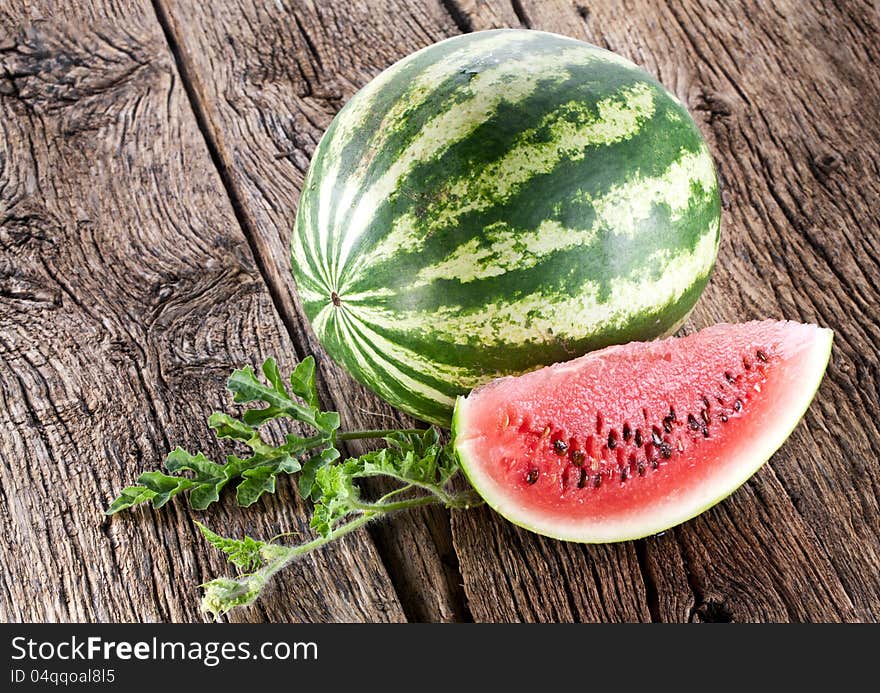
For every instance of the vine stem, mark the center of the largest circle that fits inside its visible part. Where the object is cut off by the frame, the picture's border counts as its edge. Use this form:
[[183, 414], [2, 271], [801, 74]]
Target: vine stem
[[393, 506], [376, 433], [450, 500], [287, 554], [318, 441], [292, 552]]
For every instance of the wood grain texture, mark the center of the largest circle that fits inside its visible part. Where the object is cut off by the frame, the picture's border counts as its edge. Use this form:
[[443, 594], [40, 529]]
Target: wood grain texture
[[114, 151], [787, 96], [268, 78], [127, 293]]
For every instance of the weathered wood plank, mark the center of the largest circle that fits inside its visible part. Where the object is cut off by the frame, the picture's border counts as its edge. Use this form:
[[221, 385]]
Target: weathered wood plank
[[269, 78], [259, 109], [102, 164], [787, 95], [127, 293]]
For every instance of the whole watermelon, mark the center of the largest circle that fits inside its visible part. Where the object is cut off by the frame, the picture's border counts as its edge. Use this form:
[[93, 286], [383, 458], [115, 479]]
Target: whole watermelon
[[496, 202]]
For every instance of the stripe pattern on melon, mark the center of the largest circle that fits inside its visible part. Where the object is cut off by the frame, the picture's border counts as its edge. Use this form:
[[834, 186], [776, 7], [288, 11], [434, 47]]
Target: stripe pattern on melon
[[496, 202]]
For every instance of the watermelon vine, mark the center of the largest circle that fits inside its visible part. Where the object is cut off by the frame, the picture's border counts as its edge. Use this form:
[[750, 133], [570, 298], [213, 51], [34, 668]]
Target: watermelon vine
[[415, 459]]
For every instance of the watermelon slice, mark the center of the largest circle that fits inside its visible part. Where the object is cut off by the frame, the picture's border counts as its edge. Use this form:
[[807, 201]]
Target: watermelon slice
[[631, 440]]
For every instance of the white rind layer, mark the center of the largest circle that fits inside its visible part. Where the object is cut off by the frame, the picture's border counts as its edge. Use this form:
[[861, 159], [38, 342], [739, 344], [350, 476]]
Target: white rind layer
[[671, 510]]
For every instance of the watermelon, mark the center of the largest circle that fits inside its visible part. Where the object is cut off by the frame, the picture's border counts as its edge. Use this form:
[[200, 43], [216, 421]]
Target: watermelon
[[631, 440], [497, 202]]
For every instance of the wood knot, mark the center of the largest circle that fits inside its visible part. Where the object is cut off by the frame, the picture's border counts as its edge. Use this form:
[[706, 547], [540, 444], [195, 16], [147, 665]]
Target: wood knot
[[89, 76], [825, 164], [712, 611], [716, 104]]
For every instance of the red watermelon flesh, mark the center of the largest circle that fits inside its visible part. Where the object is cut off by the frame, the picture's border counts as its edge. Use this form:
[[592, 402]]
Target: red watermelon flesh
[[631, 440]]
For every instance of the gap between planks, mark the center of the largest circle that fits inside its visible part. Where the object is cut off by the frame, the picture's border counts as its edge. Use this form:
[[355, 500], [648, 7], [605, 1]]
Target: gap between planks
[[190, 82]]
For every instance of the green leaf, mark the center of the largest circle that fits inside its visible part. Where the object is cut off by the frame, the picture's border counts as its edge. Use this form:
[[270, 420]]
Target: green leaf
[[257, 417], [418, 458], [339, 495], [226, 426], [256, 482], [327, 421], [202, 496], [179, 459], [129, 496], [245, 387], [260, 478], [163, 487], [245, 554], [307, 488], [414, 459], [207, 478], [207, 481], [302, 381], [273, 375]]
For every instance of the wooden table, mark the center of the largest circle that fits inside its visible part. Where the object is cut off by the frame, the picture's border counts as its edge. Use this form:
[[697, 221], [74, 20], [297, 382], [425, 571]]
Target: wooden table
[[151, 157]]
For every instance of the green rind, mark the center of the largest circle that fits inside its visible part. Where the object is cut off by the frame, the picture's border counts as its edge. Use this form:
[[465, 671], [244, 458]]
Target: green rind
[[451, 334], [494, 363], [653, 525]]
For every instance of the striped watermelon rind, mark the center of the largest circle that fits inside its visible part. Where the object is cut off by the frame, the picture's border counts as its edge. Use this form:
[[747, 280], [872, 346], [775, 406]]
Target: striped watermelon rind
[[496, 202]]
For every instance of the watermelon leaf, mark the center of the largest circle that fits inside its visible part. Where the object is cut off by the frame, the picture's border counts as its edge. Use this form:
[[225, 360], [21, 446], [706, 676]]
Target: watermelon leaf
[[203, 479], [242, 553]]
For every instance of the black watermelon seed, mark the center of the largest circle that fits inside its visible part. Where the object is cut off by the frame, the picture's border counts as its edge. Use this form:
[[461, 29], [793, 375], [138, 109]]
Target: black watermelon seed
[[624, 473], [705, 401], [641, 469], [654, 464], [723, 417], [738, 405], [597, 481], [761, 355], [693, 424], [560, 446], [532, 476], [578, 457], [627, 433], [638, 438], [705, 432], [705, 415], [665, 451], [667, 425], [612, 440], [655, 436], [729, 377], [582, 478], [671, 415]]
